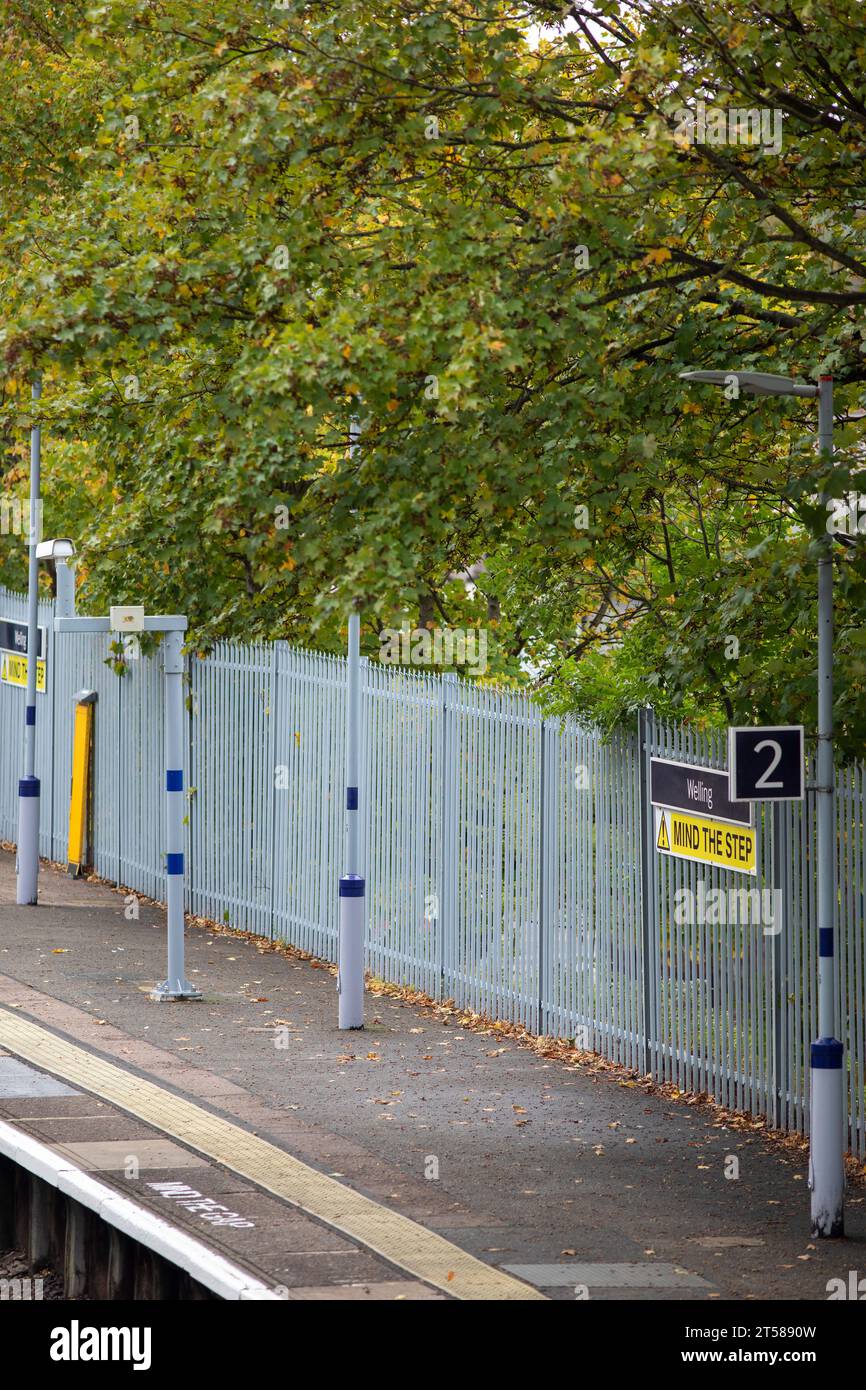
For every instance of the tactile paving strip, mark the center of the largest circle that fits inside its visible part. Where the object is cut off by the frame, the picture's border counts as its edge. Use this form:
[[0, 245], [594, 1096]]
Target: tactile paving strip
[[396, 1238]]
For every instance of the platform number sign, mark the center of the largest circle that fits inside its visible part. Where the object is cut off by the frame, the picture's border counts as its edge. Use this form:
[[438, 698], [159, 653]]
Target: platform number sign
[[766, 763]]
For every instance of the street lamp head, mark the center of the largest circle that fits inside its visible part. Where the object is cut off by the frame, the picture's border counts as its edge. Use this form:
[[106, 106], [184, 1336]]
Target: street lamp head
[[60, 549], [754, 383]]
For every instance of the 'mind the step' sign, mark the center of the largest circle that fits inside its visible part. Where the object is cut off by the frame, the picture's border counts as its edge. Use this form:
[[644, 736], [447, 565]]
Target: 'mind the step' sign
[[696, 819]]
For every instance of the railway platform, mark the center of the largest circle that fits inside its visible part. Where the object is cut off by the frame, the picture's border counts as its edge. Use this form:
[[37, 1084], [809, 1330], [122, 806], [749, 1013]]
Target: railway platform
[[264, 1154]]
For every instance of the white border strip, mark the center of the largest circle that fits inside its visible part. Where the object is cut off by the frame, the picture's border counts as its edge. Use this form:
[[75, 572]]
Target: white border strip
[[180, 1249]]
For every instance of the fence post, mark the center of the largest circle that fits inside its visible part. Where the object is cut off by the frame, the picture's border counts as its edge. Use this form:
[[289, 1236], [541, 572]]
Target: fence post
[[275, 724], [63, 606], [647, 903], [779, 983], [189, 781], [446, 905], [50, 698], [542, 871], [116, 781], [364, 772]]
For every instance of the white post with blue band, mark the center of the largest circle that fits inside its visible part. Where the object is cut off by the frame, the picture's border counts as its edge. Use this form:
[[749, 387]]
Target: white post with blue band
[[827, 1108], [350, 958], [27, 862], [175, 985], [173, 625]]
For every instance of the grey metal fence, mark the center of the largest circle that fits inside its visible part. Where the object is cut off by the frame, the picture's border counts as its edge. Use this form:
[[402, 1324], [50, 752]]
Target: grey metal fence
[[510, 860]]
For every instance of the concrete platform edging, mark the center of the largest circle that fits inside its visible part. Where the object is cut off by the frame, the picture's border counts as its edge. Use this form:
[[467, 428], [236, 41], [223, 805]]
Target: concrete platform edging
[[203, 1265]]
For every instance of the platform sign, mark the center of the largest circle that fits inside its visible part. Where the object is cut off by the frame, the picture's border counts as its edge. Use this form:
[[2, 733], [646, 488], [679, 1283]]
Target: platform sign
[[721, 843], [13, 637], [13, 671], [701, 791], [767, 763], [13, 654]]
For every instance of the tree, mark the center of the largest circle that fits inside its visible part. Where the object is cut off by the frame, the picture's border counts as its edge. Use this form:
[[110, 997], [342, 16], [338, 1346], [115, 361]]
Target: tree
[[227, 237]]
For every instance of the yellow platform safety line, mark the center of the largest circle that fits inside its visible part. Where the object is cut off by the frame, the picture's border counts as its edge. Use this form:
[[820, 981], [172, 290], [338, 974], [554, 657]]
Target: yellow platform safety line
[[80, 793], [396, 1238]]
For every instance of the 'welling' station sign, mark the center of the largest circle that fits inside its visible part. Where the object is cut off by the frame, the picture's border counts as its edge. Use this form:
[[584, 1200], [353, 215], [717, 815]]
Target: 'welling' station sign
[[699, 791]]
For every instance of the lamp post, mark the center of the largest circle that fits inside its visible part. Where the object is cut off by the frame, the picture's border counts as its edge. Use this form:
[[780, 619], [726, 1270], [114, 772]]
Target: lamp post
[[826, 1162], [27, 888]]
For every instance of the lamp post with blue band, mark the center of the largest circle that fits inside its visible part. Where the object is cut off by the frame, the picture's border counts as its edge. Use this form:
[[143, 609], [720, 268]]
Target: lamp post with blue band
[[827, 1116], [350, 958], [827, 1092], [27, 886], [133, 619]]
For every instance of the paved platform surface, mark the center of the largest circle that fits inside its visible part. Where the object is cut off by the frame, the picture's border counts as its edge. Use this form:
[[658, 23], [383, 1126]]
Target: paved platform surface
[[557, 1177]]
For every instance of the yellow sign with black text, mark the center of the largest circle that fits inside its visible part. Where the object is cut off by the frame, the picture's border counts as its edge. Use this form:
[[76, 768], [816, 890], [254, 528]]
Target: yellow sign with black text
[[13, 671], [706, 841]]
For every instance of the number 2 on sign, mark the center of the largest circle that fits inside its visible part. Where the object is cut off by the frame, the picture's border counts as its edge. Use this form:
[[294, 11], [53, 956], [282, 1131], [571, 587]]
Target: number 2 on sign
[[763, 781]]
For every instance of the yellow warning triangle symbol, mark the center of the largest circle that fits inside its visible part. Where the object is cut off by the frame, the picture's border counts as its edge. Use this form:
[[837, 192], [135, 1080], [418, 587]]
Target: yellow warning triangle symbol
[[663, 842]]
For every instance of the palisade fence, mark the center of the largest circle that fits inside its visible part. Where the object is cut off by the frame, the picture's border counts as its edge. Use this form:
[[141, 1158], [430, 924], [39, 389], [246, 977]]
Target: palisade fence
[[509, 859]]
